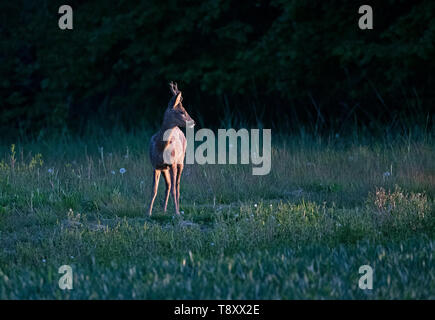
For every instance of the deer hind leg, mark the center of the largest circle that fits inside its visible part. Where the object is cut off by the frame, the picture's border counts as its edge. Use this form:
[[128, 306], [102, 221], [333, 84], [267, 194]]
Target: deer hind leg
[[173, 186], [154, 189], [179, 171], [167, 177]]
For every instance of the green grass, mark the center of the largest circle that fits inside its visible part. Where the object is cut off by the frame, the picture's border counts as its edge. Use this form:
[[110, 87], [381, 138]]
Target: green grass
[[301, 232]]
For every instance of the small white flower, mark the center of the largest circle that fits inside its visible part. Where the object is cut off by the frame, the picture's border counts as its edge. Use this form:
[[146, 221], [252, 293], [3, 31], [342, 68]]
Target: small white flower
[[270, 205], [50, 170], [387, 174], [113, 172], [72, 257], [212, 244], [255, 205], [182, 212], [43, 260], [122, 170]]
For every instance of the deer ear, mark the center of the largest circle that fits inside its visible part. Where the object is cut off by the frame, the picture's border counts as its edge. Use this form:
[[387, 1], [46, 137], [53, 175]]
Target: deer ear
[[177, 99]]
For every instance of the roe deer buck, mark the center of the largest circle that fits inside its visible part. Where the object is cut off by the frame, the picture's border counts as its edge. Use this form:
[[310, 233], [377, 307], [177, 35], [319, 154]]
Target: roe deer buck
[[167, 149]]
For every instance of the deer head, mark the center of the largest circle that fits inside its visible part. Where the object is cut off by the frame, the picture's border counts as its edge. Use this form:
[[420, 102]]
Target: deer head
[[175, 114]]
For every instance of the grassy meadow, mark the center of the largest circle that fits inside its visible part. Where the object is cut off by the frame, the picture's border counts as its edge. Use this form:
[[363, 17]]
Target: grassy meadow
[[328, 206]]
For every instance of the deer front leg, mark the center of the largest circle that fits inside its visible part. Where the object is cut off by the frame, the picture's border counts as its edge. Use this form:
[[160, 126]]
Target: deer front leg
[[167, 177], [156, 178], [179, 171], [173, 187]]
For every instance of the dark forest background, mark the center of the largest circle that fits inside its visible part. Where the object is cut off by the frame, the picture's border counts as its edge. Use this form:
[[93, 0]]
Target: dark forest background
[[279, 64]]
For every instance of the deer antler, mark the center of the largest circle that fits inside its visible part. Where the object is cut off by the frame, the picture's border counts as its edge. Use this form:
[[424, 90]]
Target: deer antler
[[174, 88]]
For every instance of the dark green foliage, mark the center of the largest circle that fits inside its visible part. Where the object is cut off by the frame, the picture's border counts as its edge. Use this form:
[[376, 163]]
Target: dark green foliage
[[271, 62]]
